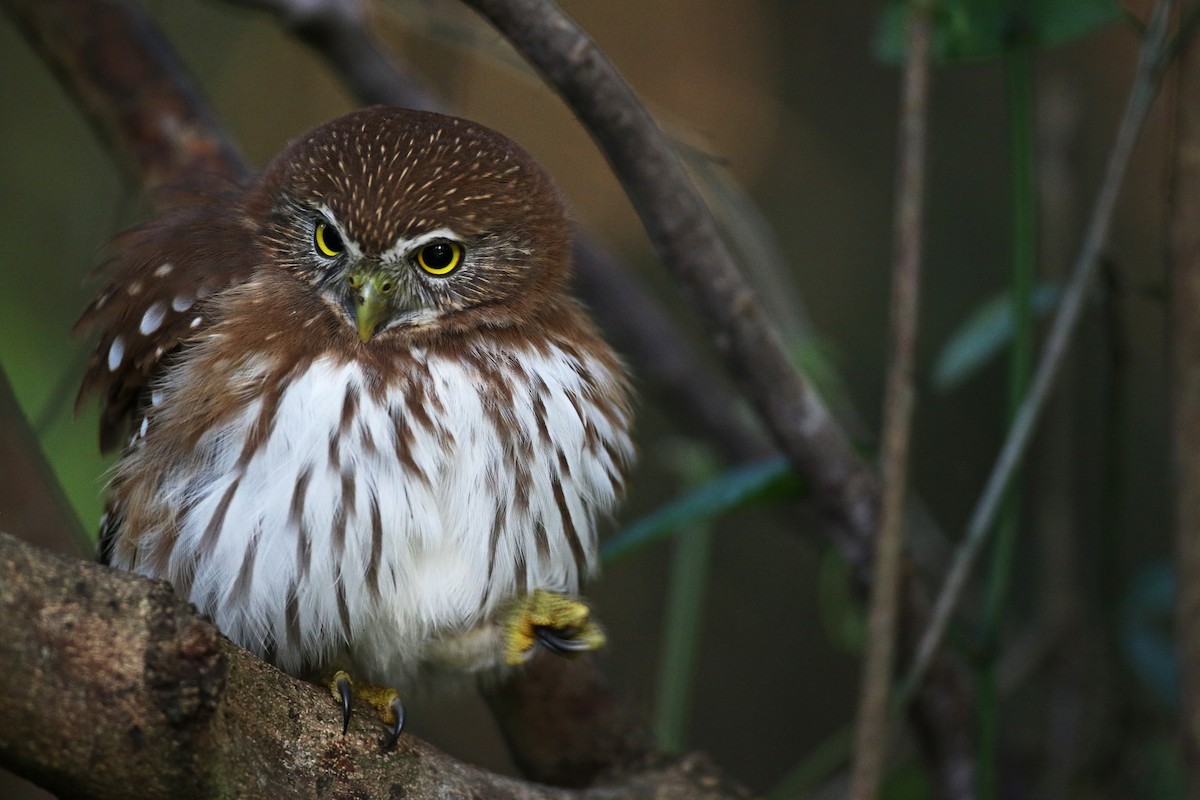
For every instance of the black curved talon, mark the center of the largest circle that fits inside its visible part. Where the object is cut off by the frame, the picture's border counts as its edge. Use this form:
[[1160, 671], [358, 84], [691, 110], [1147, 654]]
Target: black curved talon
[[397, 709], [346, 693], [561, 641]]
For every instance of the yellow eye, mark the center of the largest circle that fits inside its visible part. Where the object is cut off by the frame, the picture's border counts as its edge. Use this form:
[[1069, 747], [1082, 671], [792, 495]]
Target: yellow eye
[[440, 258], [328, 240]]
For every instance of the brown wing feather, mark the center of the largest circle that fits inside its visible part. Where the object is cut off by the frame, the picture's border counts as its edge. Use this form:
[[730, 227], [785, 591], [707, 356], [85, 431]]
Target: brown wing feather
[[160, 273]]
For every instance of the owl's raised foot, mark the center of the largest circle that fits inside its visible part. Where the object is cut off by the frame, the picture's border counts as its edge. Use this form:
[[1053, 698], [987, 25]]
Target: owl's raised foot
[[385, 701], [559, 623]]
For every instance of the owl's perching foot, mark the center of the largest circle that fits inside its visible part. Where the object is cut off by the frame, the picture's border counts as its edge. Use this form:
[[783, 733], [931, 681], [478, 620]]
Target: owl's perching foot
[[559, 623], [385, 701]]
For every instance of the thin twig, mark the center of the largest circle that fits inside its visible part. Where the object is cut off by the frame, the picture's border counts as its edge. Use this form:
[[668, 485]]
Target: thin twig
[[1066, 322], [871, 739]]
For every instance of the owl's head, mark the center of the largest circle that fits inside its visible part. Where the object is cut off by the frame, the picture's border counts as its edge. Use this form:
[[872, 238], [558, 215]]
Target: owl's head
[[382, 223], [401, 219]]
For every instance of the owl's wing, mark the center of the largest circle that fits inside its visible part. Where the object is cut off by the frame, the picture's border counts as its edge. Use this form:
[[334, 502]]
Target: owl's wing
[[159, 274]]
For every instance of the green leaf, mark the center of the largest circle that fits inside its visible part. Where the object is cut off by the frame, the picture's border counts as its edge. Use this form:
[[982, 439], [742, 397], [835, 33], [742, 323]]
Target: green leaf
[[767, 481], [972, 30], [983, 335]]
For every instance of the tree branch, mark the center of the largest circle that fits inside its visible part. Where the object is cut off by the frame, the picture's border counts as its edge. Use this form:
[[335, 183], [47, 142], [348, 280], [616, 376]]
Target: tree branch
[[131, 87], [31, 501], [185, 713], [685, 235]]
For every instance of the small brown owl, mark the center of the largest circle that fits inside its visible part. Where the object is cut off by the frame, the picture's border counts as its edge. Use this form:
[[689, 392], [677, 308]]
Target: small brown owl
[[371, 429]]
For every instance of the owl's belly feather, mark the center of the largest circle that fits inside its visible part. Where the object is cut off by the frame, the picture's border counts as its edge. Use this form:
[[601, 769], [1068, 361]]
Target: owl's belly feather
[[383, 524]]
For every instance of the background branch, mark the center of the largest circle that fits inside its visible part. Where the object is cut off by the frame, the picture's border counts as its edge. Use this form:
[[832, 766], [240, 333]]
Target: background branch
[[131, 87], [31, 501], [871, 738], [685, 235]]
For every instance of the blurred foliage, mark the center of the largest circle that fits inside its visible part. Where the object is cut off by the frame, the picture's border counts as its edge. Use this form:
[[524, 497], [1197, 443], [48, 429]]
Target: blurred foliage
[[741, 487], [983, 335], [974, 30]]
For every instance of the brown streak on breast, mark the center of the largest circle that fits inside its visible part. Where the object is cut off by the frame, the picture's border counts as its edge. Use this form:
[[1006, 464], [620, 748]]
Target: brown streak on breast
[[568, 528], [296, 520], [216, 522], [376, 545], [241, 586]]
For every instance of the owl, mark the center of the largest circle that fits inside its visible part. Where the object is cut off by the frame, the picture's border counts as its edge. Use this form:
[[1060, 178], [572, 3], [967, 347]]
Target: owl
[[367, 431]]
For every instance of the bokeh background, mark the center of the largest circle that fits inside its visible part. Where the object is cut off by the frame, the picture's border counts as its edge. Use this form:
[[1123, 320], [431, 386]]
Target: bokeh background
[[788, 104]]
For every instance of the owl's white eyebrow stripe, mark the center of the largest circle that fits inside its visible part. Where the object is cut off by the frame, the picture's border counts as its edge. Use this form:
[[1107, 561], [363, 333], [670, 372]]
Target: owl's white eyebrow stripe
[[403, 246]]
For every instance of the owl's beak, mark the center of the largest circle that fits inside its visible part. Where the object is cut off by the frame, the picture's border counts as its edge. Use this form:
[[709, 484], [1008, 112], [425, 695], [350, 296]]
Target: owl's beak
[[371, 292]]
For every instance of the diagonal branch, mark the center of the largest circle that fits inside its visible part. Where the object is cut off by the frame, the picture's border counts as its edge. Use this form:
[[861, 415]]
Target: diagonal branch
[[131, 87], [685, 235], [184, 713]]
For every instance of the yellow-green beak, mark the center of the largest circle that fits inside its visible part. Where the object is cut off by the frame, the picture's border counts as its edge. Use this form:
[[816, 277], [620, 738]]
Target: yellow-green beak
[[371, 292]]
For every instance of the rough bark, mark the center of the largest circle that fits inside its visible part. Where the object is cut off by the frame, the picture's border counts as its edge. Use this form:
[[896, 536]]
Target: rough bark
[[112, 687]]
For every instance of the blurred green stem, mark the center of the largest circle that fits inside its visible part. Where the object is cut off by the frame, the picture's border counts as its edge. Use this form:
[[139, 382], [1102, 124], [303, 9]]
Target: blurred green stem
[[1019, 80], [681, 639]]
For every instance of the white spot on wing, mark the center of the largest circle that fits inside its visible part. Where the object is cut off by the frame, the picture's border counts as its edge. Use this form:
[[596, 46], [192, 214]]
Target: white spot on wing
[[116, 352], [182, 302], [163, 270], [196, 322], [152, 319]]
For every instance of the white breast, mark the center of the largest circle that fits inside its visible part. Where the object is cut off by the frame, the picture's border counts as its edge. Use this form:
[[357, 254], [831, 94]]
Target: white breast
[[375, 524]]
